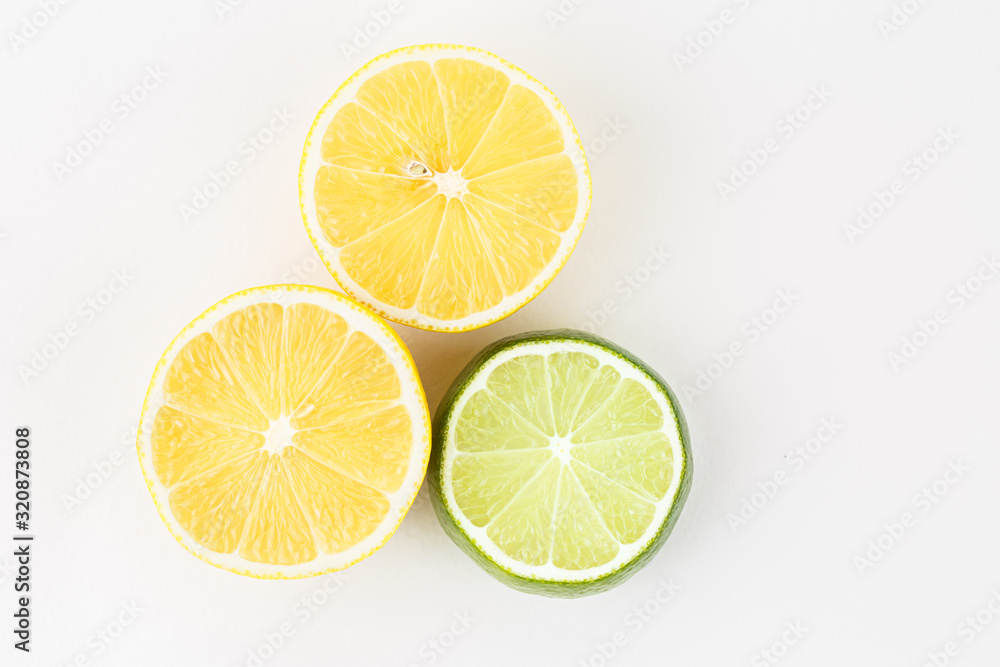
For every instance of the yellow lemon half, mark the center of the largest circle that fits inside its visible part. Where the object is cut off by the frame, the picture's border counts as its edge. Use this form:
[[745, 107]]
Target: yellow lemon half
[[443, 186], [285, 433]]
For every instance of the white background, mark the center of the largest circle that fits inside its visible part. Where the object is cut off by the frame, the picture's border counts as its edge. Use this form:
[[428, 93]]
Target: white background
[[683, 129]]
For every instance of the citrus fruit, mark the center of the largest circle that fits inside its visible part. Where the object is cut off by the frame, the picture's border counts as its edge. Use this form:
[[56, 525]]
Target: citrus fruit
[[443, 187], [285, 433], [560, 462]]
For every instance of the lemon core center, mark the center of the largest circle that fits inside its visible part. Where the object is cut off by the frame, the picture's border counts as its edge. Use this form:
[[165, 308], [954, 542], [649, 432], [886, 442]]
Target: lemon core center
[[450, 183], [278, 435]]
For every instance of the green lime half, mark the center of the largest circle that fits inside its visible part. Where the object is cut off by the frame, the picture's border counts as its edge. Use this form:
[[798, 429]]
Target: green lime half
[[560, 462]]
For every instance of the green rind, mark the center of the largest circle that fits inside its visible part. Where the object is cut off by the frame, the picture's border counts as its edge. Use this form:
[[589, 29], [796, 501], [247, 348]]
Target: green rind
[[556, 589]]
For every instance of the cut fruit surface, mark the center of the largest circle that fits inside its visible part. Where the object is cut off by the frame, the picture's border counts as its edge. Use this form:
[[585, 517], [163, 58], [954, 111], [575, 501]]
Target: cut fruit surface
[[560, 462], [285, 433], [443, 187]]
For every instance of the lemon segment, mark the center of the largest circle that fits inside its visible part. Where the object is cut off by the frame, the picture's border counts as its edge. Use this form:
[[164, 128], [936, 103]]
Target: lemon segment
[[519, 248], [363, 380], [542, 191], [276, 531], [356, 203], [338, 507], [407, 100], [363, 449], [459, 280], [201, 382], [313, 339], [356, 139], [523, 129], [251, 341], [409, 242], [471, 93], [185, 446], [284, 433], [213, 508], [443, 187]]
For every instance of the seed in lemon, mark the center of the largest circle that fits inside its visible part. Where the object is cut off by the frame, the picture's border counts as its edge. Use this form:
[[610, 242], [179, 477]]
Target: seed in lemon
[[560, 463], [443, 186], [285, 433]]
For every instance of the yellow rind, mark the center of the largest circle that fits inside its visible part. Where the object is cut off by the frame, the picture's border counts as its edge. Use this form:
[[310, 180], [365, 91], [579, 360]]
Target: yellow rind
[[161, 367], [413, 323]]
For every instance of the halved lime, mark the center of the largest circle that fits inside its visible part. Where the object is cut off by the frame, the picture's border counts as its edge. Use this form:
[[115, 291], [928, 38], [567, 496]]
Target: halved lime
[[560, 462]]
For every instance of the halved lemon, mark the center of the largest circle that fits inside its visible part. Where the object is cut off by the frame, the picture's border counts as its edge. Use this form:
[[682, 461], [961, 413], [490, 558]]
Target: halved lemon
[[285, 433], [443, 186], [560, 462]]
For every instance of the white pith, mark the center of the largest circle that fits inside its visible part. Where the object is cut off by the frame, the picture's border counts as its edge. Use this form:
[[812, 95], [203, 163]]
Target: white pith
[[561, 448], [279, 433], [447, 184]]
